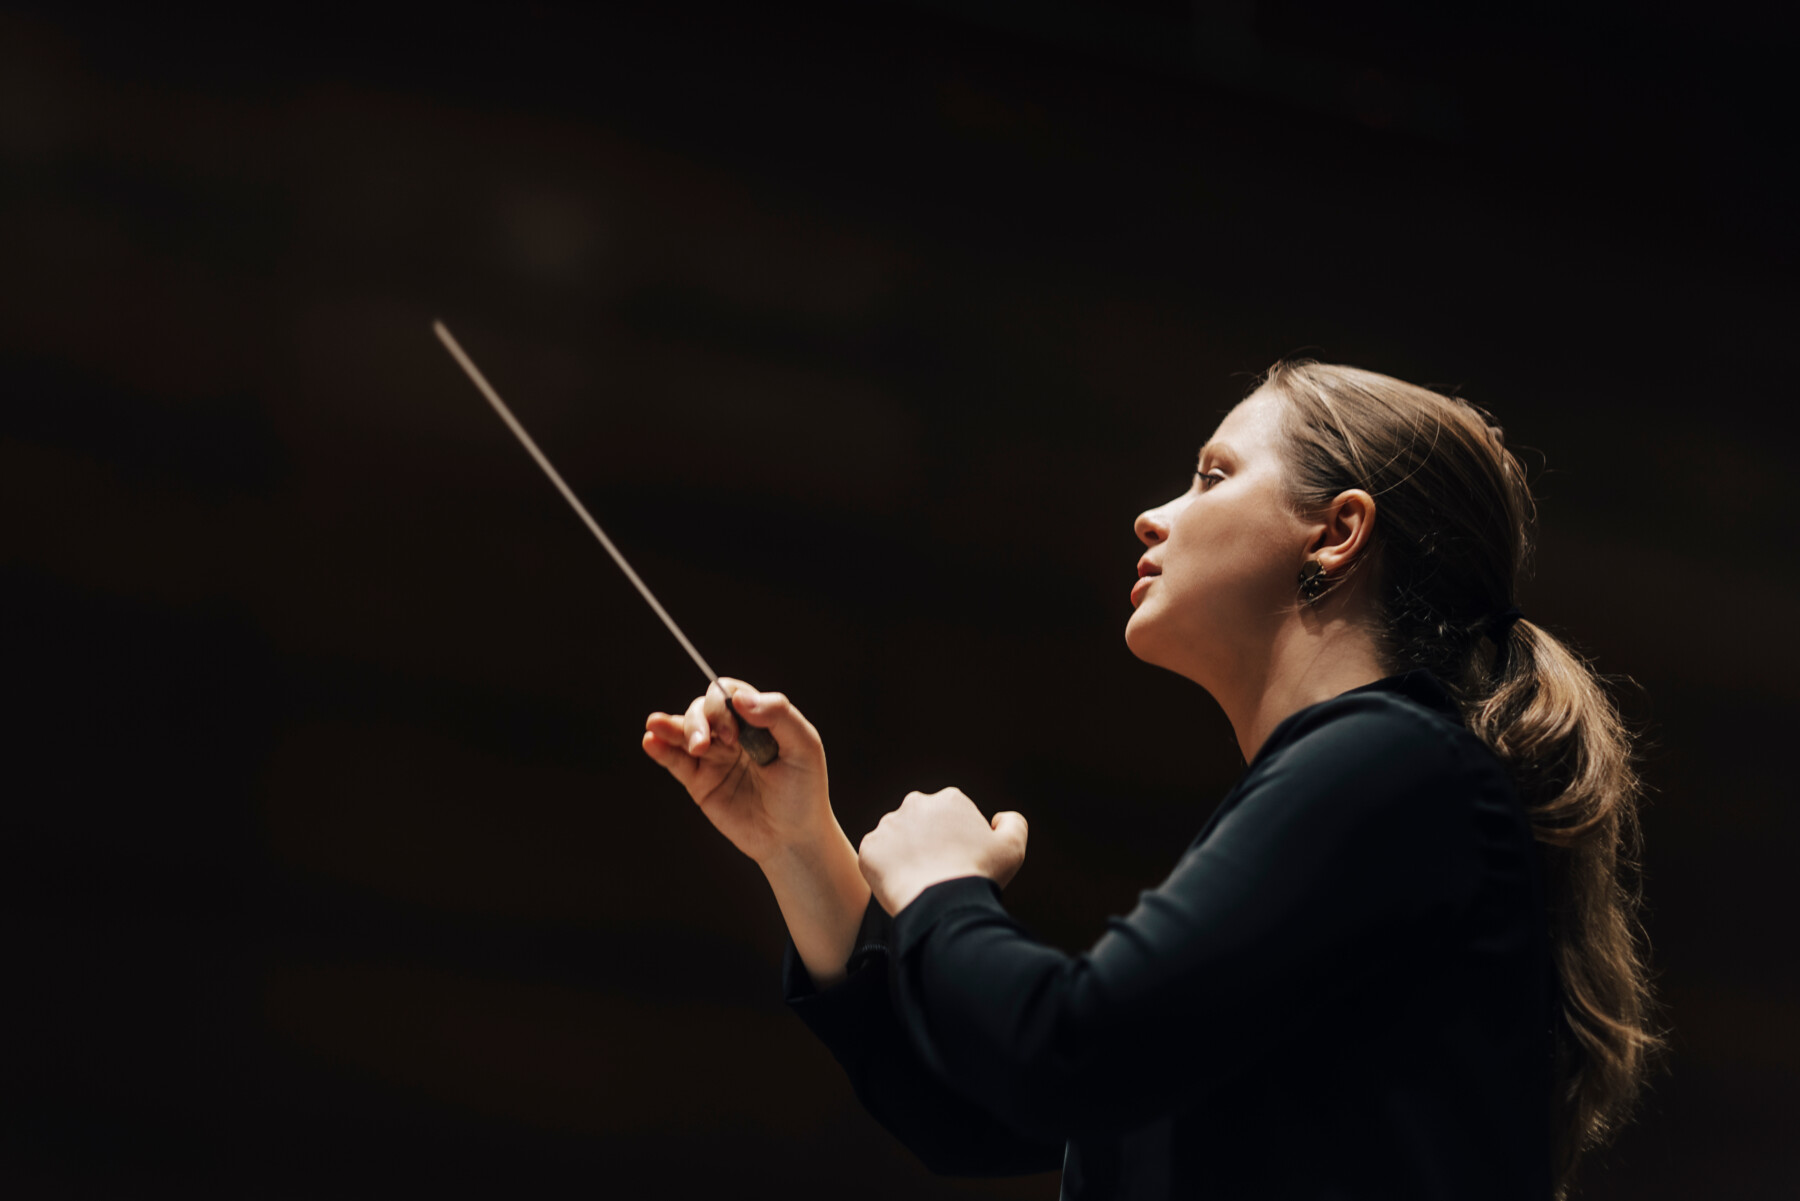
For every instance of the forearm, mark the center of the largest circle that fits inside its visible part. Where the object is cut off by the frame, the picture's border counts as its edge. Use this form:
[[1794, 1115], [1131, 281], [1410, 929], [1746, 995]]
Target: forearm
[[822, 895], [949, 1133]]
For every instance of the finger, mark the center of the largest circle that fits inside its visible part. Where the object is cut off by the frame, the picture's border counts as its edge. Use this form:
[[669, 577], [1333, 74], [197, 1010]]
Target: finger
[[671, 757], [773, 712], [1012, 827], [724, 726], [696, 733], [668, 728]]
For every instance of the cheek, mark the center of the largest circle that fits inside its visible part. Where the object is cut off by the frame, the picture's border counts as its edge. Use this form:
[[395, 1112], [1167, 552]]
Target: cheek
[[1233, 551]]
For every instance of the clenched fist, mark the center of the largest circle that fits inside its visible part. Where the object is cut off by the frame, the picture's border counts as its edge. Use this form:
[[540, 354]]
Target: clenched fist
[[935, 837]]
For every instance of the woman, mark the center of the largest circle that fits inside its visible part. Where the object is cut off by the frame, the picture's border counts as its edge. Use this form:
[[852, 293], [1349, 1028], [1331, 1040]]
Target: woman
[[1400, 960]]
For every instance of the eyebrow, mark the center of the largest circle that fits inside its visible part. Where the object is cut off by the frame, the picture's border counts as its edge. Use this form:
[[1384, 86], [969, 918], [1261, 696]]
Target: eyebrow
[[1216, 448]]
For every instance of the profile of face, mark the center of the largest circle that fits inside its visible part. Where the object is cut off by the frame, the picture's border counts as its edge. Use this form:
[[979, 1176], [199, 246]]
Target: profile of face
[[1220, 570]]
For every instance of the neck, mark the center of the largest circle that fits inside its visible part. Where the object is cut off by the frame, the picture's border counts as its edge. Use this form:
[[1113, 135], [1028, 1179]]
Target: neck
[[1313, 659]]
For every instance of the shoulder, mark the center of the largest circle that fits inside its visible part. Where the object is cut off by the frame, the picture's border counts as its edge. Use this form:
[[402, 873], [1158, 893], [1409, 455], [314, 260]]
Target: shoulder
[[1378, 760], [1404, 735], [1373, 798]]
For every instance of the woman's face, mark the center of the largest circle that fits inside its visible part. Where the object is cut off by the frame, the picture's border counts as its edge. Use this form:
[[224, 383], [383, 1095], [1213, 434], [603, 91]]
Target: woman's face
[[1221, 571]]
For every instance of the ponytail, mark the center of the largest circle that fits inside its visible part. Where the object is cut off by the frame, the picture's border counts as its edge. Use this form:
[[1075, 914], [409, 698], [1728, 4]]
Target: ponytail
[[1548, 718]]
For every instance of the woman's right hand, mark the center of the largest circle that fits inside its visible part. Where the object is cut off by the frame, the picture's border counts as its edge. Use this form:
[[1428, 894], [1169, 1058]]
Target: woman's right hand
[[762, 810]]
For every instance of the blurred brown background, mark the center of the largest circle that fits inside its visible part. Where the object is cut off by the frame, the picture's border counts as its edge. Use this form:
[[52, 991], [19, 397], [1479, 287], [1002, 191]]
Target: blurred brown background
[[866, 330]]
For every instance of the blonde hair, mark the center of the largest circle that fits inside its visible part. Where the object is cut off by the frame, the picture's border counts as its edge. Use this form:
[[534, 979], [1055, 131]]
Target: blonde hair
[[1452, 539]]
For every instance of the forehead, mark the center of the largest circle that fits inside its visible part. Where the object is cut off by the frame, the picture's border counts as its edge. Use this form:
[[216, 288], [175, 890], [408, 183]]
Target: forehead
[[1254, 425]]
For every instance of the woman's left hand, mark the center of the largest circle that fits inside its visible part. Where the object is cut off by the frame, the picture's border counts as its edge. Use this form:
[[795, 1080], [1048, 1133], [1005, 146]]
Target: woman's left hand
[[933, 837]]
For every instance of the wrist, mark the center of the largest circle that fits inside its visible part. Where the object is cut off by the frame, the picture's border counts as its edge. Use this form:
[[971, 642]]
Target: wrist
[[896, 894], [808, 853], [822, 895]]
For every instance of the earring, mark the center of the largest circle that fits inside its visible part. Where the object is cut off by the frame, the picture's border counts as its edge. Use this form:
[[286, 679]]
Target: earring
[[1313, 582]]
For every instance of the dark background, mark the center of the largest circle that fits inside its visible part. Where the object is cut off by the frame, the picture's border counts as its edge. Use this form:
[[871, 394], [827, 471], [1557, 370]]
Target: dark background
[[866, 330]]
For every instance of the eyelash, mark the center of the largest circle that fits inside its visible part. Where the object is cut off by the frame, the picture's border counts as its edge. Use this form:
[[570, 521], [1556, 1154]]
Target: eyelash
[[1207, 479]]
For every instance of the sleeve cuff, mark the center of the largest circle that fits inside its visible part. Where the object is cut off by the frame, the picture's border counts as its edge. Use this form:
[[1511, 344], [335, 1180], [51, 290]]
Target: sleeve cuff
[[842, 1014], [914, 922]]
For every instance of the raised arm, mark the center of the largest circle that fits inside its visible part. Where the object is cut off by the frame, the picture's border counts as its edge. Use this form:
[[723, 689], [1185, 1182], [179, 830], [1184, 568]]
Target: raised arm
[[779, 815]]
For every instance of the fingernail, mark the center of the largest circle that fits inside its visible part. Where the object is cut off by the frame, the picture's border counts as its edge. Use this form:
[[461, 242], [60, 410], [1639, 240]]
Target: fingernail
[[745, 699], [694, 745]]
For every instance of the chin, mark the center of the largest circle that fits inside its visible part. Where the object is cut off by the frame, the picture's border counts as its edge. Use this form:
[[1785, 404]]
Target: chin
[[1152, 646], [1139, 640]]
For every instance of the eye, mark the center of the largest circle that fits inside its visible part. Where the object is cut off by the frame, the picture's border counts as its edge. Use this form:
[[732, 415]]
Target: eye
[[1207, 479]]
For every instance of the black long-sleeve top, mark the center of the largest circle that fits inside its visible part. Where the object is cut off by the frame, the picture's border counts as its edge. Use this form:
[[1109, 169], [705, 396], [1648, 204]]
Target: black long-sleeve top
[[1343, 990]]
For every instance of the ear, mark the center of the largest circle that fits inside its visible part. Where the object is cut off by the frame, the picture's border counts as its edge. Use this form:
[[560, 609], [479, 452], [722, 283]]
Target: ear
[[1343, 532]]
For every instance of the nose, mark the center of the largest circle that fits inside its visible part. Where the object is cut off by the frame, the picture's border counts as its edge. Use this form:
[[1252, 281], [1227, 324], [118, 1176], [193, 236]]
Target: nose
[[1152, 526]]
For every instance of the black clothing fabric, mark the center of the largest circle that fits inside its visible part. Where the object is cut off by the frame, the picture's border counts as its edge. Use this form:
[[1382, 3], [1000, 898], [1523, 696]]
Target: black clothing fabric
[[1342, 991]]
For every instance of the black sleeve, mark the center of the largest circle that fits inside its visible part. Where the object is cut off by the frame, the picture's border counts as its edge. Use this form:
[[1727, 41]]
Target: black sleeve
[[855, 1020], [1343, 853]]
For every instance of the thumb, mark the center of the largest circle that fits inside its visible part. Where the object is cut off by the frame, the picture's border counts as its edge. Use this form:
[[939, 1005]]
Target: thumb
[[775, 713], [1012, 828], [1011, 824]]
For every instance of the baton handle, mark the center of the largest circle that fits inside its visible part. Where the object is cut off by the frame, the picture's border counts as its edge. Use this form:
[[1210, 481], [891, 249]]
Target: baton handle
[[756, 741]]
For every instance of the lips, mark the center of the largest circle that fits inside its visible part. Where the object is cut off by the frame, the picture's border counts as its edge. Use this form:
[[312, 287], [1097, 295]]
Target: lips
[[1147, 571]]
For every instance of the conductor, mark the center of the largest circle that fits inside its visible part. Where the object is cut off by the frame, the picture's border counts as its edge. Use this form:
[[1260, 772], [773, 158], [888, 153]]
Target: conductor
[[1401, 960]]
